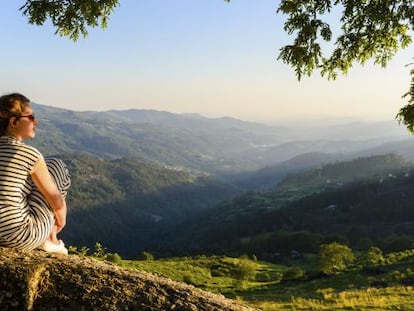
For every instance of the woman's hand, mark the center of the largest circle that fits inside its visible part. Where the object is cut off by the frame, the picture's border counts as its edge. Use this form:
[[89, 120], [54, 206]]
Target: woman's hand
[[60, 219]]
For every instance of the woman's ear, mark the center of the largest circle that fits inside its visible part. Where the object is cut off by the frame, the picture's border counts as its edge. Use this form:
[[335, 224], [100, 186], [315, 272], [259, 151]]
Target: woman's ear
[[13, 121]]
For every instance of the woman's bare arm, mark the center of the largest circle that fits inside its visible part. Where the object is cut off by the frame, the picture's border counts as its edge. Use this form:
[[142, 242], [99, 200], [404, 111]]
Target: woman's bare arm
[[47, 187]]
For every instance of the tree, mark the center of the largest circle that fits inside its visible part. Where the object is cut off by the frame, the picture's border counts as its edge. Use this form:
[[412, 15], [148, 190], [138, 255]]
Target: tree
[[245, 269], [370, 29], [374, 257], [335, 257]]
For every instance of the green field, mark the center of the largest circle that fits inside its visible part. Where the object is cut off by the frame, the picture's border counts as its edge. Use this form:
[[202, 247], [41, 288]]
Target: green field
[[296, 284]]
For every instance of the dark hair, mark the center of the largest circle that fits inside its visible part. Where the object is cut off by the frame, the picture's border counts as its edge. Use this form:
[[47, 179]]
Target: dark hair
[[11, 105]]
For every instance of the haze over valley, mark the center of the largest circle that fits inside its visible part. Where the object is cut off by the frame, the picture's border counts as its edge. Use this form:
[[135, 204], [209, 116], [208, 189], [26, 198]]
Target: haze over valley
[[144, 179]]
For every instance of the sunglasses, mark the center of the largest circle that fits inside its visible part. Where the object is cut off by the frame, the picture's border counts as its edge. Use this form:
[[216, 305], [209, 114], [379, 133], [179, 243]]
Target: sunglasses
[[31, 117]]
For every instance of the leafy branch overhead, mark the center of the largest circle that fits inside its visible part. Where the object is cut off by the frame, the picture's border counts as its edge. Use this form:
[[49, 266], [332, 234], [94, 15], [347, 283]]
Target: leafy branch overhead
[[70, 18], [369, 29]]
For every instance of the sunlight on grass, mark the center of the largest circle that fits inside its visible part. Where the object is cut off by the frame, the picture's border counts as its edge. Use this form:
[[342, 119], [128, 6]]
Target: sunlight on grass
[[392, 298], [216, 274], [266, 286]]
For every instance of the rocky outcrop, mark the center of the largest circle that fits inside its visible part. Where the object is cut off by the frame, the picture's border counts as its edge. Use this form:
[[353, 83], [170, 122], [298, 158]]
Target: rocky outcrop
[[38, 280]]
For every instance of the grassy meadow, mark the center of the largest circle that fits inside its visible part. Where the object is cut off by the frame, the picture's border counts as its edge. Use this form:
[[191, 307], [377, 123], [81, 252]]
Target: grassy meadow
[[380, 282], [294, 285]]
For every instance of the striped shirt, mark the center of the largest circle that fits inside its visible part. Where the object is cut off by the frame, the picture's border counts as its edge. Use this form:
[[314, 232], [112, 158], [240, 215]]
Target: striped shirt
[[19, 224]]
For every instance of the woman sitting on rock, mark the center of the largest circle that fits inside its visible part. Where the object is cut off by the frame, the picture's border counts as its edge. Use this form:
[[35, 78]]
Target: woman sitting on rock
[[32, 188]]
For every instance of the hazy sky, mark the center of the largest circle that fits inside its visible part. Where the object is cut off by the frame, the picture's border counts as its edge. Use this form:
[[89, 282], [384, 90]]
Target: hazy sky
[[186, 56]]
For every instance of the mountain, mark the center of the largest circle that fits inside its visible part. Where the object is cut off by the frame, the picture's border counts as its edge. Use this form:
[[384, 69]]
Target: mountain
[[220, 146], [366, 199], [193, 142], [124, 203], [404, 147], [270, 176]]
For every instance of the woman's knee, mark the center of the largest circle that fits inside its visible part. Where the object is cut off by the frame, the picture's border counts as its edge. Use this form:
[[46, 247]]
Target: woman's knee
[[60, 173]]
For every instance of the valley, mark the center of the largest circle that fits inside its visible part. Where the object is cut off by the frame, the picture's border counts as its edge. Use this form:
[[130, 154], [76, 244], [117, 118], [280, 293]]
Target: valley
[[182, 187], [177, 184]]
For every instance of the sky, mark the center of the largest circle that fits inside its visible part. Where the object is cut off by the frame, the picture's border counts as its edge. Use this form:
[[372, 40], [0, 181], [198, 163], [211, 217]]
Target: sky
[[208, 57]]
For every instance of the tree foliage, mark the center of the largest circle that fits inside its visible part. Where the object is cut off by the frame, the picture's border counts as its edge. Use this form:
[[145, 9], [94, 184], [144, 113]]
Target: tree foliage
[[370, 29], [245, 269], [335, 257], [70, 18], [374, 256]]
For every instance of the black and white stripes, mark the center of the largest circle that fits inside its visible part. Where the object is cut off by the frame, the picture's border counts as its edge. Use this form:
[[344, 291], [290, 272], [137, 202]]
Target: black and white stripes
[[25, 217]]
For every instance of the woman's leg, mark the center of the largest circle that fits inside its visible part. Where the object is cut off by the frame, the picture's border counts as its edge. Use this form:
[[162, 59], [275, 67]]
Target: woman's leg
[[39, 208], [61, 177]]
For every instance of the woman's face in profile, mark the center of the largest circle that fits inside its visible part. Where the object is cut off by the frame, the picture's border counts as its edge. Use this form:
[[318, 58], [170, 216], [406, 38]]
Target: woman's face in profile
[[26, 124]]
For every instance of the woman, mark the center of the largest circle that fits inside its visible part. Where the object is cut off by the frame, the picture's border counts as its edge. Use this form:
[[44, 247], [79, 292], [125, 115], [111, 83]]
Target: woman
[[32, 189]]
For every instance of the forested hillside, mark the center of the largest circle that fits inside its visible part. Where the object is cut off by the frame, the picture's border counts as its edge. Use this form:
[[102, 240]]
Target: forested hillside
[[364, 202], [193, 142], [270, 176], [123, 203]]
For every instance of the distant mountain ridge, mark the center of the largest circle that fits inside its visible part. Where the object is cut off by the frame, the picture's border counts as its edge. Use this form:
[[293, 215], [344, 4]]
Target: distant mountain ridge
[[270, 176], [209, 145], [220, 146]]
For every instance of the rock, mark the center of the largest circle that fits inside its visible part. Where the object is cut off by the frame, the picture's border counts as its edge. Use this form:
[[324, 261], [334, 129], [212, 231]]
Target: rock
[[38, 280]]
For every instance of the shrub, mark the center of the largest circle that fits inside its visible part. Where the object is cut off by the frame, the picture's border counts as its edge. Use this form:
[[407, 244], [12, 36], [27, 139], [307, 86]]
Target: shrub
[[245, 269], [99, 251], [72, 249], [293, 274], [147, 256], [115, 258], [374, 257], [81, 251]]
